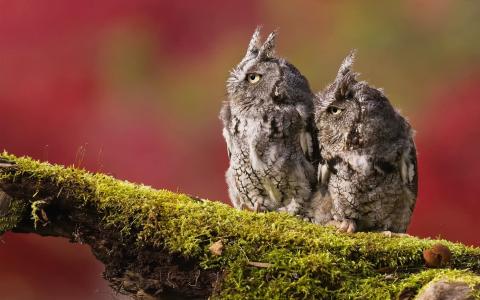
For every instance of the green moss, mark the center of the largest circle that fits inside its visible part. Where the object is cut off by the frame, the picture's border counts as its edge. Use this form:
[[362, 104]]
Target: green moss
[[307, 261], [37, 211], [14, 215]]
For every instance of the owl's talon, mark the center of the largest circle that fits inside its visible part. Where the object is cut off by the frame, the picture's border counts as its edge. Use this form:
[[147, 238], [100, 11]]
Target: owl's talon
[[347, 225], [255, 208], [333, 223], [242, 206], [388, 233], [306, 219]]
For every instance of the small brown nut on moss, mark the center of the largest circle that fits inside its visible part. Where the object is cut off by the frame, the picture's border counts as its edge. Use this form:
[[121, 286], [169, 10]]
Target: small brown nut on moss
[[437, 256], [432, 260], [444, 252], [216, 248]]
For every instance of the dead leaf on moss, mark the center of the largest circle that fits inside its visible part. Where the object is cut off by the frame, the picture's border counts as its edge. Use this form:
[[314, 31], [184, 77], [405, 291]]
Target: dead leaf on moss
[[44, 215], [216, 248], [385, 270], [260, 264], [141, 294], [6, 163]]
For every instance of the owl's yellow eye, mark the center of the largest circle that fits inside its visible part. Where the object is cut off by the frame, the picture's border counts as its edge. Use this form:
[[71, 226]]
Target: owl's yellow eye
[[253, 77], [334, 110]]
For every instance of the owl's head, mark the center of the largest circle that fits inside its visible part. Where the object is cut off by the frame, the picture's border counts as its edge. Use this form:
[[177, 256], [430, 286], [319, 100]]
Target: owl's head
[[262, 77], [351, 114]]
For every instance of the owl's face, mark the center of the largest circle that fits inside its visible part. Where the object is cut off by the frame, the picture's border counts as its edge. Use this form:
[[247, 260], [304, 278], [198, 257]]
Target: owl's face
[[254, 79], [262, 77], [337, 119], [338, 108], [350, 114]]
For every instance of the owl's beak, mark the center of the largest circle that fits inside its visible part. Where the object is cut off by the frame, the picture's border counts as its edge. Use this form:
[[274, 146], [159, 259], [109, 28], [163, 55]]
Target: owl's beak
[[276, 91]]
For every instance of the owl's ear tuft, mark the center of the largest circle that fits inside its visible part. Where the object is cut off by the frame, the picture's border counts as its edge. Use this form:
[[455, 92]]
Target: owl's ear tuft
[[257, 50], [345, 87], [346, 78], [347, 63], [268, 48], [254, 44]]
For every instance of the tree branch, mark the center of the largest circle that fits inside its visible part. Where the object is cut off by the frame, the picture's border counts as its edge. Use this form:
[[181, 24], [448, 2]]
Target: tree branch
[[156, 243]]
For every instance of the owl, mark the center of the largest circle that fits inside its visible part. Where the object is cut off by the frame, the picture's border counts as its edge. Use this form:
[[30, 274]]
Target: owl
[[368, 166], [269, 129]]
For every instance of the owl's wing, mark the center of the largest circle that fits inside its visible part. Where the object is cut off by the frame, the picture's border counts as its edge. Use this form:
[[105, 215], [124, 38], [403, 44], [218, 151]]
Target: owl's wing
[[409, 169], [306, 143], [227, 140], [309, 143], [226, 116]]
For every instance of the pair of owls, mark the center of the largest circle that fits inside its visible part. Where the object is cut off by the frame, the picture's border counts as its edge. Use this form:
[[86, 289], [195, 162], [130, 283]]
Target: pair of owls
[[344, 157]]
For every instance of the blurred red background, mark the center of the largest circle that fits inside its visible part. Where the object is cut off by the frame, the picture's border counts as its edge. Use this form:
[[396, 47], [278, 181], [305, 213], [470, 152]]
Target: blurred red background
[[133, 89]]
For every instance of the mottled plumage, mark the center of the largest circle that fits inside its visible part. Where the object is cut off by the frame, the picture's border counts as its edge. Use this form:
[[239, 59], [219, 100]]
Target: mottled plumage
[[368, 169], [269, 131]]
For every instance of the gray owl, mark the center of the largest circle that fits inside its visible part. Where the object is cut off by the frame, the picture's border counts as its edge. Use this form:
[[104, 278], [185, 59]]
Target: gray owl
[[368, 164], [270, 132]]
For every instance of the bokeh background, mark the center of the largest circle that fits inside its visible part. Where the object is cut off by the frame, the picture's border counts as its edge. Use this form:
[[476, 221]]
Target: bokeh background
[[133, 89]]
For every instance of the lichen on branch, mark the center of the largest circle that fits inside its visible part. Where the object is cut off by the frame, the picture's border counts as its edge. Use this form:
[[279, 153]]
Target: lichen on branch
[[155, 242]]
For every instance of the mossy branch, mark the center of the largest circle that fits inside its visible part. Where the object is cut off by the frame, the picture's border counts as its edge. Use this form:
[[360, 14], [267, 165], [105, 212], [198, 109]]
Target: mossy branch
[[156, 243]]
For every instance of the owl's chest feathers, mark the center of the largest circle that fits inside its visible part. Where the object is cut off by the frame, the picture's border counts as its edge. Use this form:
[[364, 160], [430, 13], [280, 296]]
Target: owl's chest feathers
[[265, 137], [344, 141], [361, 166]]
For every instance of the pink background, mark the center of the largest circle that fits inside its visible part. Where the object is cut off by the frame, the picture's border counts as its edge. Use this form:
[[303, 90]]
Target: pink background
[[133, 89]]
